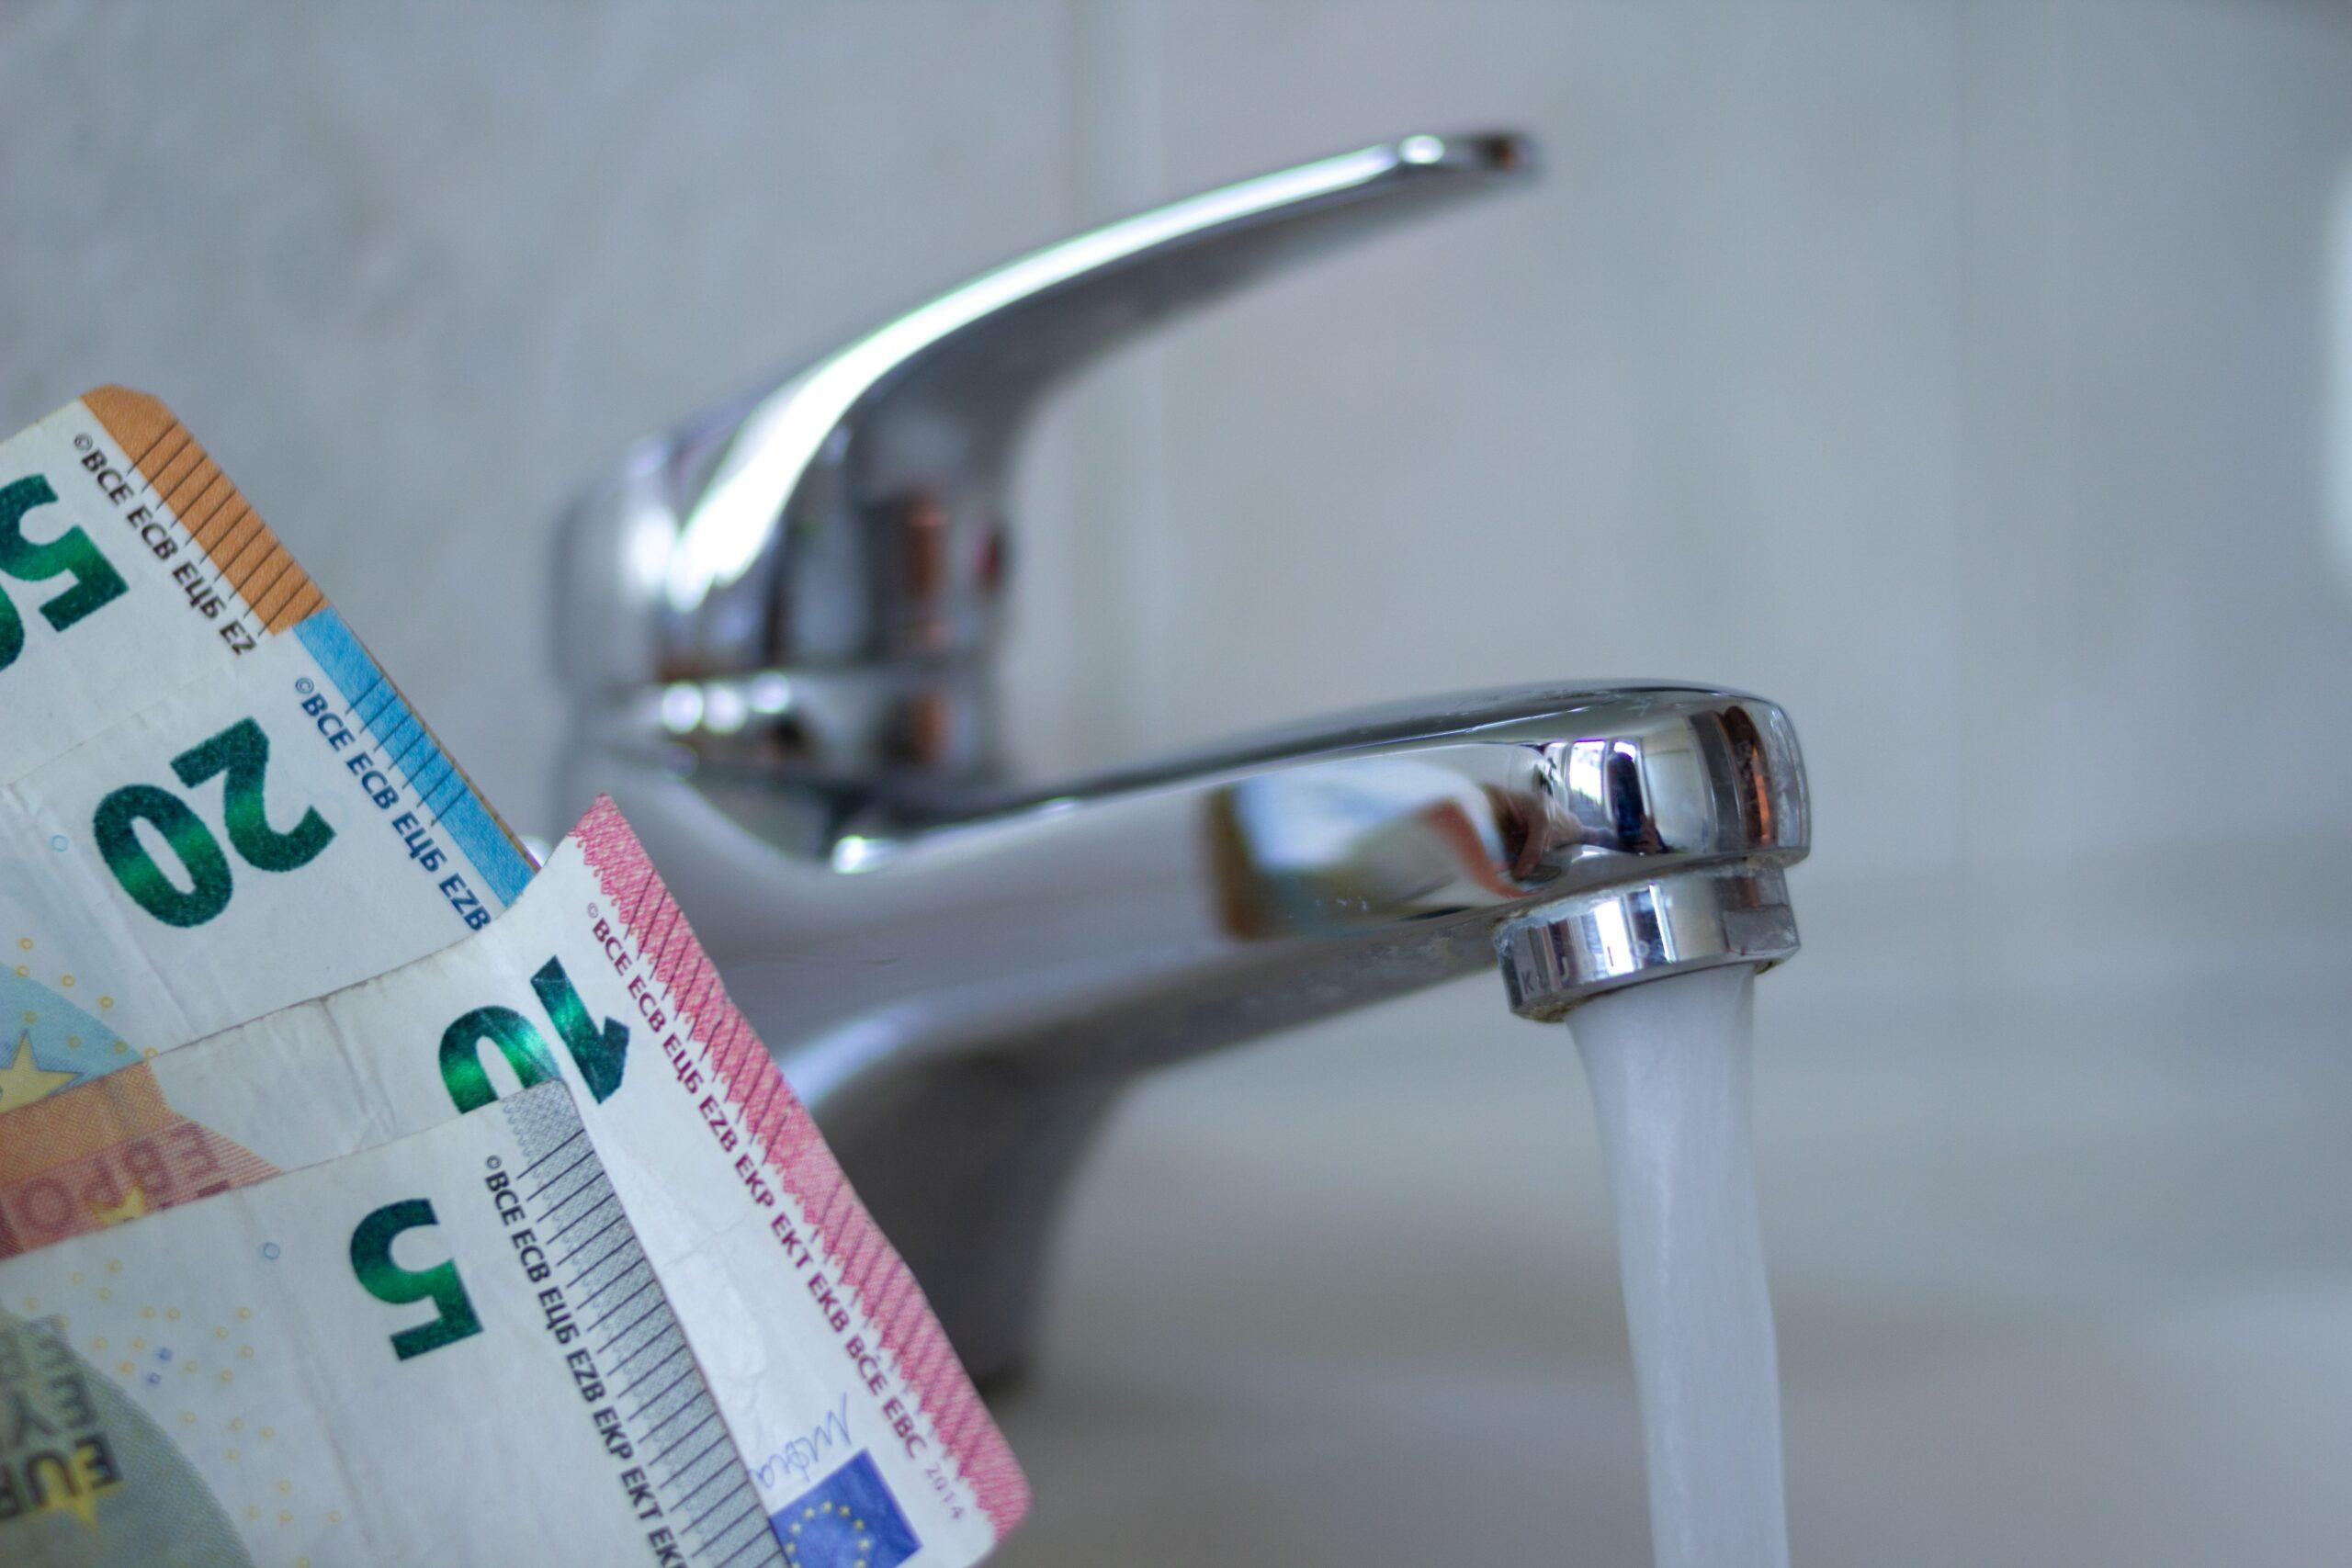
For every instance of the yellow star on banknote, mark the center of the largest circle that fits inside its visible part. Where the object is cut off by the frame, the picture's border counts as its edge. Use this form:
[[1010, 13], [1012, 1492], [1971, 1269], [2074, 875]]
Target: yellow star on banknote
[[133, 1205], [24, 1080], [84, 1484]]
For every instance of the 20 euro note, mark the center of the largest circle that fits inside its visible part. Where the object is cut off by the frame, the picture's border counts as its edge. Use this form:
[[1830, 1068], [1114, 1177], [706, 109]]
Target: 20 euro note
[[280, 828], [130, 567], [412, 1355], [835, 1379]]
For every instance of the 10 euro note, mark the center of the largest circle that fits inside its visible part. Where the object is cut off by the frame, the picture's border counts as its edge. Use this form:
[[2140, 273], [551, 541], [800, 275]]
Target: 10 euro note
[[832, 1374], [387, 1360], [282, 827], [130, 567]]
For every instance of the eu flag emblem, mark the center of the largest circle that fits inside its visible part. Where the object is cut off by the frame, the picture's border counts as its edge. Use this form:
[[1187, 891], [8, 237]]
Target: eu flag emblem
[[847, 1520]]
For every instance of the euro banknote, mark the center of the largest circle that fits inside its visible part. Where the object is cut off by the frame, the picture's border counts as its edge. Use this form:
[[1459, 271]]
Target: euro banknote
[[822, 1353], [129, 566], [445, 1349], [282, 827]]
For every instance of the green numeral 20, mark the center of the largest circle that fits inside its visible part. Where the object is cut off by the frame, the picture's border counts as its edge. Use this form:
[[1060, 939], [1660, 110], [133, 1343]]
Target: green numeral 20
[[72, 552], [242, 751], [372, 1260]]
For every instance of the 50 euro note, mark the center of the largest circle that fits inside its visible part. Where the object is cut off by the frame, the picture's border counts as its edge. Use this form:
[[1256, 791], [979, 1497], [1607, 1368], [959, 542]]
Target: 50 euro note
[[835, 1379], [282, 827], [130, 567], [417, 1354]]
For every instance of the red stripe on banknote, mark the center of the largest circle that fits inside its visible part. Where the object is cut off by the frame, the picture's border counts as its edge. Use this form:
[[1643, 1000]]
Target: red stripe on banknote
[[885, 1289]]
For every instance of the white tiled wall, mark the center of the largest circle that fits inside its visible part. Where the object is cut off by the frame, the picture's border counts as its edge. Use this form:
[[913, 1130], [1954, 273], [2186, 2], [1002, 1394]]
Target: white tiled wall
[[1964, 377]]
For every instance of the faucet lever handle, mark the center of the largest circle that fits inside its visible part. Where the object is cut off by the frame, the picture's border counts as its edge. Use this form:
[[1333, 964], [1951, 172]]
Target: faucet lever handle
[[939, 394], [850, 518]]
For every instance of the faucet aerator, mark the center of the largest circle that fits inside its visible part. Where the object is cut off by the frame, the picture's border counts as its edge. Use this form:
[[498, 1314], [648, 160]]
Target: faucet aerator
[[1562, 953]]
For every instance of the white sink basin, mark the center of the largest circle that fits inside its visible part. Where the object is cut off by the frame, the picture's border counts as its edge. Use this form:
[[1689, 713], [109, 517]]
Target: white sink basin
[[2051, 1290]]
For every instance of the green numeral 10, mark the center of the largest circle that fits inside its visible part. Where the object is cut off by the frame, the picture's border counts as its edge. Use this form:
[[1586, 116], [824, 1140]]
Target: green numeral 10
[[242, 751], [70, 554], [601, 1054], [372, 1260]]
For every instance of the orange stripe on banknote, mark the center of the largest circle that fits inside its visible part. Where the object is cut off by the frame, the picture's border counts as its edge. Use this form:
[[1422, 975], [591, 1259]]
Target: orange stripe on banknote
[[208, 505], [83, 1120], [104, 1152]]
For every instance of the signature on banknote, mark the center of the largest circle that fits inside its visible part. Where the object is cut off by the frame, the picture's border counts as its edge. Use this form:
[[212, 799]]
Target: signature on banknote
[[797, 1460]]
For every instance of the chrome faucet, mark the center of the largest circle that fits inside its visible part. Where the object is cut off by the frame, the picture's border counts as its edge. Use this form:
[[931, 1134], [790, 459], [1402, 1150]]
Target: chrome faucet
[[778, 632]]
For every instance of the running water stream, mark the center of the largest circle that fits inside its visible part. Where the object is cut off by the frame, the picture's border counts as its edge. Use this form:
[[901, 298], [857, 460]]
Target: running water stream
[[1669, 1066]]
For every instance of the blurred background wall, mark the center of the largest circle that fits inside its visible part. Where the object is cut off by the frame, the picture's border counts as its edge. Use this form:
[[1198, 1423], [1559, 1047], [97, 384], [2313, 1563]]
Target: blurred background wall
[[1974, 380]]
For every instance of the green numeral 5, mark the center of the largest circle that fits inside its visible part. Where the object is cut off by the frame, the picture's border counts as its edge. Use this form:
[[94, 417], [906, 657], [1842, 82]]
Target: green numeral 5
[[601, 1056], [72, 553], [372, 1260], [241, 752]]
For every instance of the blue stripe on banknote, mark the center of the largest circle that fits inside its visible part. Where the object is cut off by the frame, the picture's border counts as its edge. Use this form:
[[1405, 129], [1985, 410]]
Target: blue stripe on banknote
[[409, 747]]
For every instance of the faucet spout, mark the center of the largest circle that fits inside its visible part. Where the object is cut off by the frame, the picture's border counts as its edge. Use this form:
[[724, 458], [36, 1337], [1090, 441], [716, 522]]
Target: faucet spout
[[959, 997]]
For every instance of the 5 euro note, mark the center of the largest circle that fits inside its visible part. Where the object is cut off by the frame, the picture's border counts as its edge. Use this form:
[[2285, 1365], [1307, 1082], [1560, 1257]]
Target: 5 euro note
[[376, 1360]]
